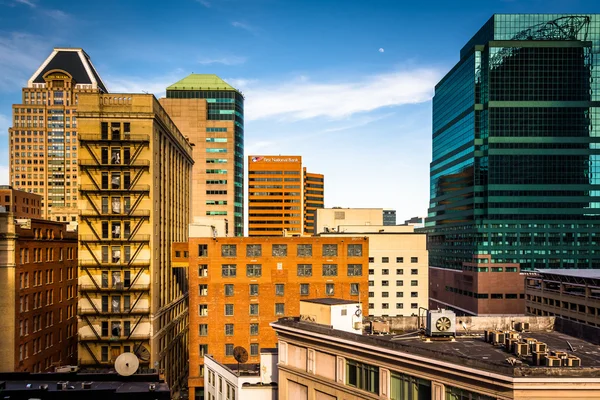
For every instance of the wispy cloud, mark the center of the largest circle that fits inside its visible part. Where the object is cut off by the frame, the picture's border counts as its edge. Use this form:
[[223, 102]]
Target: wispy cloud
[[205, 3], [245, 26], [57, 15], [230, 60], [26, 2], [20, 55], [303, 99]]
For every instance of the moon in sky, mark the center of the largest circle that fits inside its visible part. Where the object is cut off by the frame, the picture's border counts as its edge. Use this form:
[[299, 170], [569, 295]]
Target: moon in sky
[[381, 50]]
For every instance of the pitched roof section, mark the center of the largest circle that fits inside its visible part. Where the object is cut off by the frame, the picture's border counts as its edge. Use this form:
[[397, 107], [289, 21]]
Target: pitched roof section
[[201, 82], [74, 61]]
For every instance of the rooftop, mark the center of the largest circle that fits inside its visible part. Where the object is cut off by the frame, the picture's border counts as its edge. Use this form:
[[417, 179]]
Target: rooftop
[[330, 301], [201, 82], [577, 273], [469, 351]]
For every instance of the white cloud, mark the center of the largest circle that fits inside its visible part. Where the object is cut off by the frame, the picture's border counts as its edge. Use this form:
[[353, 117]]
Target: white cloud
[[244, 26], [231, 60], [381, 50], [27, 3], [304, 99], [20, 55], [57, 15]]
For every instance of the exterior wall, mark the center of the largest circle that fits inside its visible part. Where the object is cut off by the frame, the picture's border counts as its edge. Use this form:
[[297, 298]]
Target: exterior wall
[[398, 269], [314, 198], [21, 203], [275, 195], [575, 299], [206, 269], [38, 263], [331, 218], [213, 185], [126, 273]]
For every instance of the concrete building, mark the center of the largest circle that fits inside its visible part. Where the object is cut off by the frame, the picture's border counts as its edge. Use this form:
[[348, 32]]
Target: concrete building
[[21, 203], [38, 282], [43, 138], [240, 285], [135, 174], [570, 294], [210, 114], [282, 196], [398, 259], [513, 161], [317, 361], [389, 217], [242, 381]]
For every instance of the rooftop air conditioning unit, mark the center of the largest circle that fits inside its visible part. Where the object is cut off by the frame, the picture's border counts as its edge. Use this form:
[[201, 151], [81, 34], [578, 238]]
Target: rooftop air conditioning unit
[[539, 358], [498, 338], [521, 349], [559, 354], [539, 347], [552, 361], [441, 323], [509, 344], [512, 334], [522, 326], [573, 361]]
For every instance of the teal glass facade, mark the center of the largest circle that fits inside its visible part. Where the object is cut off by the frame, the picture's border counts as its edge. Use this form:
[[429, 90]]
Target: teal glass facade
[[515, 169], [225, 105]]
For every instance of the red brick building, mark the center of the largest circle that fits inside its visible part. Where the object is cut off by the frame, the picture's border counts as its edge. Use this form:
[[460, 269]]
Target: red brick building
[[21, 203], [38, 282]]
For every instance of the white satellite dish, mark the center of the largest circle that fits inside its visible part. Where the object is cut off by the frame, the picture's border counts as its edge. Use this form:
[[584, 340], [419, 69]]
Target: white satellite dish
[[127, 364]]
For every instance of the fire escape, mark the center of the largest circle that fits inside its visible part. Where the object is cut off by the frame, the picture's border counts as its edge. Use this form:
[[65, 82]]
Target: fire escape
[[114, 299]]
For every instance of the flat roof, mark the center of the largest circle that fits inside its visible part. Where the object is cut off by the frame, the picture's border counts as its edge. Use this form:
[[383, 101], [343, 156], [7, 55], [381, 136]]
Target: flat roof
[[578, 273], [330, 301], [470, 351]]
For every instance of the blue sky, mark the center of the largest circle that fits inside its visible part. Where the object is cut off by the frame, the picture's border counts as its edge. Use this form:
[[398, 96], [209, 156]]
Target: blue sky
[[345, 84]]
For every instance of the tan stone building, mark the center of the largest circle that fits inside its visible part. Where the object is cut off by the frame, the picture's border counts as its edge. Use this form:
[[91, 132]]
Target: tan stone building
[[44, 133], [210, 114], [38, 282], [330, 219], [21, 203], [318, 362], [135, 173]]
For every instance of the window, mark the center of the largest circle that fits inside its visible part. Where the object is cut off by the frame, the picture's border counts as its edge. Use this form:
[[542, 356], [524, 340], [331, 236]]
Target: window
[[355, 250], [385, 306], [202, 290], [385, 260], [385, 283], [203, 348], [253, 329], [229, 290], [371, 259], [371, 305], [229, 349], [414, 271], [371, 271], [414, 260], [330, 250], [399, 271], [228, 310], [405, 387], [362, 376], [253, 290], [279, 308], [371, 294], [253, 250], [279, 250], [253, 349], [414, 294], [228, 270], [279, 289], [304, 269], [371, 283], [254, 270], [399, 259], [202, 250], [354, 269], [497, 296], [354, 289], [228, 250], [304, 289], [253, 309], [104, 353], [414, 283], [329, 289], [454, 393], [304, 250], [399, 294], [399, 306], [414, 305], [228, 329], [203, 310], [385, 294], [329, 269], [385, 272], [203, 330], [399, 283]]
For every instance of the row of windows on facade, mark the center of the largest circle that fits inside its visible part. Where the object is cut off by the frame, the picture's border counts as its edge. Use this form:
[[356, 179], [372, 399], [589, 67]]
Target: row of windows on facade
[[398, 283], [476, 295], [38, 254], [49, 296], [229, 289], [255, 270], [399, 271], [399, 260], [588, 311], [254, 350], [281, 250], [226, 389], [38, 275], [398, 294]]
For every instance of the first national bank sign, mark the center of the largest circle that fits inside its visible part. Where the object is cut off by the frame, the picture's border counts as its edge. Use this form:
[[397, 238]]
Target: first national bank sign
[[275, 159]]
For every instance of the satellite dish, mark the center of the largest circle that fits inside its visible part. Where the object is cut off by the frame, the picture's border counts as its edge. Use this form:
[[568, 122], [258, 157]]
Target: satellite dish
[[240, 354], [127, 364]]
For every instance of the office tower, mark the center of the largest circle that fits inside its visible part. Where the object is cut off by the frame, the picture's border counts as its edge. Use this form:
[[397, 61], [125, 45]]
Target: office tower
[[314, 198], [43, 138], [135, 173], [210, 114], [389, 217], [398, 262], [21, 203], [514, 177], [282, 196], [240, 285], [38, 282]]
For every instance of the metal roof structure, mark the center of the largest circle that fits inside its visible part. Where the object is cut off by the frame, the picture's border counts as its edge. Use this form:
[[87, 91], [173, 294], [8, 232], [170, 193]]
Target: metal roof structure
[[201, 82]]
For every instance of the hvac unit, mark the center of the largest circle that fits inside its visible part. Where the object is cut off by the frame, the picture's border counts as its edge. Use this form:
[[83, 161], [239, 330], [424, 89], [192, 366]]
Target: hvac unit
[[552, 361], [512, 334], [487, 336], [498, 338], [539, 347], [573, 361], [510, 343], [441, 323], [522, 326], [530, 341], [539, 358], [559, 354], [521, 349]]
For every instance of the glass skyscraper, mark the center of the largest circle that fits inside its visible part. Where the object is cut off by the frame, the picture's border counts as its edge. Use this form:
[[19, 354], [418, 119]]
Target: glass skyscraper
[[515, 172]]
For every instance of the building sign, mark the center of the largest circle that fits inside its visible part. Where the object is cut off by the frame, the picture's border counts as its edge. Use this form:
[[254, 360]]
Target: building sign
[[276, 159]]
